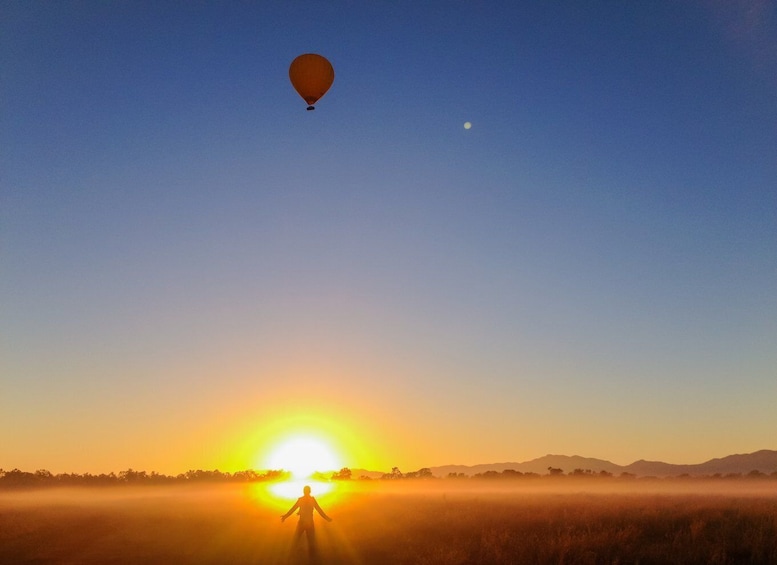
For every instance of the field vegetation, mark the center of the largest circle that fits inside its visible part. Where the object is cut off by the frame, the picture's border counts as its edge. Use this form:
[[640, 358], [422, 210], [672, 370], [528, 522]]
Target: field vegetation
[[378, 522]]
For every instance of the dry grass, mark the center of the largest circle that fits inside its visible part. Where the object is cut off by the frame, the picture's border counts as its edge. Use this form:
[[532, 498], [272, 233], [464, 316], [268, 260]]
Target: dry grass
[[390, 525]]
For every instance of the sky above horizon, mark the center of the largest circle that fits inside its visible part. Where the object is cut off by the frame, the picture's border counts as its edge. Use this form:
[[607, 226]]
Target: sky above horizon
[[192, 265]]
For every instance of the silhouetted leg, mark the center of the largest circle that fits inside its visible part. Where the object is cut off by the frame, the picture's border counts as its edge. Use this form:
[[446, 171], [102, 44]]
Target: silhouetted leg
[[300, 530], [312, 547]]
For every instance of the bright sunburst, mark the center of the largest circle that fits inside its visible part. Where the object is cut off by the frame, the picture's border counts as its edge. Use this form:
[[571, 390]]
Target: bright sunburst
[[302, 456]]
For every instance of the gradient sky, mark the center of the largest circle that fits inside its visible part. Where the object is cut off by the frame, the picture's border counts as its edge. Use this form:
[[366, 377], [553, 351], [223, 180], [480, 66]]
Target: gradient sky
[[192, 264]]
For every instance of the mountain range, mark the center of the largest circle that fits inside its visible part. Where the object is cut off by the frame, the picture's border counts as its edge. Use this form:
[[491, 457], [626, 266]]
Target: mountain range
[[764, 461]]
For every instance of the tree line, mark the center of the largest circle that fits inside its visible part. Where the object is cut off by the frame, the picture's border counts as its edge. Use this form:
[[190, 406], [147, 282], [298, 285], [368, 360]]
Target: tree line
[[16, 478], [42, 477], [554, 472]]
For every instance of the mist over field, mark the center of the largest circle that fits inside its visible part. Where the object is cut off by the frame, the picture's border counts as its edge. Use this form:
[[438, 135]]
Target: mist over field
[[376, 522]]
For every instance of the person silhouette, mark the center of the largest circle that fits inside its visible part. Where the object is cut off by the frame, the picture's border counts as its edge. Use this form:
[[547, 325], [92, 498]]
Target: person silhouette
[[304, 506]]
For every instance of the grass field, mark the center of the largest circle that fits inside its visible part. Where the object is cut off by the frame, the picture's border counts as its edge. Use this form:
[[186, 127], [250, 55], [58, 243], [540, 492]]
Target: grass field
[[379, 523]]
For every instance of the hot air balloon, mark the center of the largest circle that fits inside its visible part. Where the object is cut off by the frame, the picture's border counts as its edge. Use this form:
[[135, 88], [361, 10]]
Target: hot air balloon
[[311, 75]]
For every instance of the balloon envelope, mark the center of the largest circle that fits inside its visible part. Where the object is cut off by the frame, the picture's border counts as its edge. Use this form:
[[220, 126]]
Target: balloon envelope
[[311, 75]]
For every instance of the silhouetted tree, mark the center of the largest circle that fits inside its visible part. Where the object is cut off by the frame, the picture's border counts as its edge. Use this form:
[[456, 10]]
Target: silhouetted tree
[[487, 475], [131, 476], [19, 478], [247, 476], [343, 474], [394, 474]]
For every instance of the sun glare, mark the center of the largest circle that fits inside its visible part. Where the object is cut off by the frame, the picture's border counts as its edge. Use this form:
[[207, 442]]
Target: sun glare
[[303, 456], [289, 490]]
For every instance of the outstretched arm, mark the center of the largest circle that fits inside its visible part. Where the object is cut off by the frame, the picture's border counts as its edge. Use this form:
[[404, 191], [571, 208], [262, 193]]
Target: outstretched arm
[[291, 511], [318, 509]]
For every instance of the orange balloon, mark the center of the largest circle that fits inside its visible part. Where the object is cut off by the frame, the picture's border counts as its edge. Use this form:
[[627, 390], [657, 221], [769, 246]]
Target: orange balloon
[[311, 75]]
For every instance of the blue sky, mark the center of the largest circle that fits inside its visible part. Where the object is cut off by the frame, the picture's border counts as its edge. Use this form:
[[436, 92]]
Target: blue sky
[[590, 269]]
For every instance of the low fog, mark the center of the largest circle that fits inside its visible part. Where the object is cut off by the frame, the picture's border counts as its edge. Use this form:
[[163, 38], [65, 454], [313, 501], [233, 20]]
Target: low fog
[[446, 521]]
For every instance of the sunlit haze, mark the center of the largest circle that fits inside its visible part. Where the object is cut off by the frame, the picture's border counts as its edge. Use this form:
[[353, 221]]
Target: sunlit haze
[[508, 229]]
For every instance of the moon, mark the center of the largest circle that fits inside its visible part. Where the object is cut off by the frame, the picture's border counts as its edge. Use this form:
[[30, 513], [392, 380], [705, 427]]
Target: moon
[[467, 125]]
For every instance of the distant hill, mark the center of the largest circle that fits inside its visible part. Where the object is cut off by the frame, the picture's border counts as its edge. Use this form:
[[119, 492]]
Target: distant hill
[[764, 461], [539, 466]]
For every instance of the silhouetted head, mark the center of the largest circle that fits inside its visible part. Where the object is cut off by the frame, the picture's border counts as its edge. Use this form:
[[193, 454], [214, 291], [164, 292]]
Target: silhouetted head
[[306, 490]]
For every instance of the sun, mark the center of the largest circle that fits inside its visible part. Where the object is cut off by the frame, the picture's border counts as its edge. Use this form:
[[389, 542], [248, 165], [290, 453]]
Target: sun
[[309, 452], [303, 456]]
